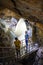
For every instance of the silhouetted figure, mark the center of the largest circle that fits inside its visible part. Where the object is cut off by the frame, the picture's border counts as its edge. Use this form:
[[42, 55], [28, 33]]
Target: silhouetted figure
[[17, 46]]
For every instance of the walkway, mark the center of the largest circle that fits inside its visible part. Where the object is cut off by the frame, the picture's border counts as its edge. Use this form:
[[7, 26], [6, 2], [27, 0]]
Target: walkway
[[7, 54]]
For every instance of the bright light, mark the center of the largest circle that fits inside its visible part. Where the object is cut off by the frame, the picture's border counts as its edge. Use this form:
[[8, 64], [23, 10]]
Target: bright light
[[20, 28]]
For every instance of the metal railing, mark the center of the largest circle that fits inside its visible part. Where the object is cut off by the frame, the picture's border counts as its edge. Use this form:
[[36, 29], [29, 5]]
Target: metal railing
[[6, 52], [31, 47], [8, 55], [22, 49]]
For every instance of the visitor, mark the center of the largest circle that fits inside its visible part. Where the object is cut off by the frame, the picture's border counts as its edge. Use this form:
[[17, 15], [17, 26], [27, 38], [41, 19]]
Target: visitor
[[17, 46], [26, 40]]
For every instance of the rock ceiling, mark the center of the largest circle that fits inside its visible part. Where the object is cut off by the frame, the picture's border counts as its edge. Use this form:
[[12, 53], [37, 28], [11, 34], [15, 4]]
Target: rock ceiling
[[30, 9]]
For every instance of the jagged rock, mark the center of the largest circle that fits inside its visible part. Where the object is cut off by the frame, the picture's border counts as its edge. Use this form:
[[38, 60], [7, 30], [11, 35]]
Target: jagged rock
[[5, 38], [30, 9]]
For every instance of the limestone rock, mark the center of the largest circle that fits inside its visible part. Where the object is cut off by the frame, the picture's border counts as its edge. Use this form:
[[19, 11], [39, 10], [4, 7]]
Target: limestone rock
[[30, 9]]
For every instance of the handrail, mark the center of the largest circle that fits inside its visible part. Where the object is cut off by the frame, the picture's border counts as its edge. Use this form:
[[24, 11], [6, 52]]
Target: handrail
[[8, 51], [21, 49]]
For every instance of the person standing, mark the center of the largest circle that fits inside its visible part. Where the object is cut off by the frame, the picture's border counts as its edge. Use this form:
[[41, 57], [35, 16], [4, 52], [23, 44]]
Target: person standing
[[26, 40], [17, 46]]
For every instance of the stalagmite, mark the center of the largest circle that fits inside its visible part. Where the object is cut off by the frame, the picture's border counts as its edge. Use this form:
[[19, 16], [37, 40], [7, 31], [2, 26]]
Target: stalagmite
[[20, 28]]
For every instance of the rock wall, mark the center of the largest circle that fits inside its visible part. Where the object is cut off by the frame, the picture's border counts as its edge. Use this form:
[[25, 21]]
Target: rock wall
[[29, 9], [5, 38], [38, 33]]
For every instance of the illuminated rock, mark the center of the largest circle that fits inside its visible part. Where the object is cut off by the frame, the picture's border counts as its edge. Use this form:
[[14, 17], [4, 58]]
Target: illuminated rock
[[20, 28]]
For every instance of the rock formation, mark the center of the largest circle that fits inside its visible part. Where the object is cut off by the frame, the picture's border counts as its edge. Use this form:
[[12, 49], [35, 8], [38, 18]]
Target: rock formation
[[30, 9]]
